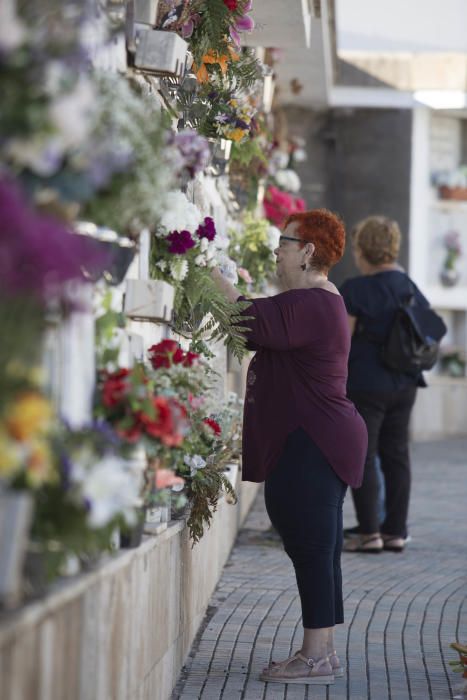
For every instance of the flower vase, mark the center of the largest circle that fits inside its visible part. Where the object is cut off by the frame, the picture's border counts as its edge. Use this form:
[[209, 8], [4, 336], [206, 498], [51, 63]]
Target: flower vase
[[16, 509]]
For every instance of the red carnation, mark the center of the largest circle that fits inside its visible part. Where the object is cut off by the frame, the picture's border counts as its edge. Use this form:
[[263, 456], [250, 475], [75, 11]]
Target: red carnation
[[231, 4], [214, 425]]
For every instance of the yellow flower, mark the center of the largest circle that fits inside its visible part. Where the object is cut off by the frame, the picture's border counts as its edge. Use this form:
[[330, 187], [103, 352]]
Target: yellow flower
[[30, 414], [39, 467], [236, 134], [11, 456]]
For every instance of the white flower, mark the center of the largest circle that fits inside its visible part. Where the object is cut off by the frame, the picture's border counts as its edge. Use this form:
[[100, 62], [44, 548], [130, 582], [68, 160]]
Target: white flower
[[161, 264], [195, 462], [200, 260], [43, 156], [180, 214], [212, 263], [273, 234], [110, 489], [204, 245], [288, 179], [179, 269]]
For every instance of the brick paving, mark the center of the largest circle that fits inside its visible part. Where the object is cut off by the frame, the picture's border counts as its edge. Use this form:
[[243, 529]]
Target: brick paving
[[402, 610]]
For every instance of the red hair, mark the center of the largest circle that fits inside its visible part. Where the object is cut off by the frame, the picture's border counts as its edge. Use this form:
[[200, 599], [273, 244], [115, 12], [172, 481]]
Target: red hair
[[325, 230]]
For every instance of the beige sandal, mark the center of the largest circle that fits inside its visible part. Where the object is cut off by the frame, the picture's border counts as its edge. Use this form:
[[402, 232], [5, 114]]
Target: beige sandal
[[317, 672], [337, 669]]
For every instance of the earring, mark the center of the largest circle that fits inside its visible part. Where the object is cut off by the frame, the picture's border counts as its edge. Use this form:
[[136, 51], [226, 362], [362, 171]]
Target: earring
[[303, 267]]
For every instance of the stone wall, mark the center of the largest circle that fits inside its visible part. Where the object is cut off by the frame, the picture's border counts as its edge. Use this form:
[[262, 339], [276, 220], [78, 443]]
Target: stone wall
[[123, 631], [358, 164]]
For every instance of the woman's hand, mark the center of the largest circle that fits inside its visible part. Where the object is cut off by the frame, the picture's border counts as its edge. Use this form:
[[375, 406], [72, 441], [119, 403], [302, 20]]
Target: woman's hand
[[230, 292]]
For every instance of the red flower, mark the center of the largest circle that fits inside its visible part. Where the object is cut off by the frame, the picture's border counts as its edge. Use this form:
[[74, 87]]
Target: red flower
[[169, 423], [190, 358], [214, 425], [169, 352], [231, 4], [115, 387]]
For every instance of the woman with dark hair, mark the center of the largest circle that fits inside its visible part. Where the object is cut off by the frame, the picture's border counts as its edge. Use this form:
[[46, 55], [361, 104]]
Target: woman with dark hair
[[301, 434]]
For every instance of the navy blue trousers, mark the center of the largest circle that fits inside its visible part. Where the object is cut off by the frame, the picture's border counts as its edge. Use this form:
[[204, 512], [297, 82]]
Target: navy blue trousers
[[304, 499]]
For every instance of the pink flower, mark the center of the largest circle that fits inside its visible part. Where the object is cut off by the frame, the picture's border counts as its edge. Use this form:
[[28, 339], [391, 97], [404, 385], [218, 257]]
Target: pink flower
[[245, 24], [245, 275], [166, 478], [278, 205]]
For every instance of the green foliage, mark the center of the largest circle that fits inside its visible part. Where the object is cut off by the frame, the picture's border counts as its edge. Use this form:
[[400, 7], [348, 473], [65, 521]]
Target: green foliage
[[251, 249], [203, 494], [212, 31], [203, 314]]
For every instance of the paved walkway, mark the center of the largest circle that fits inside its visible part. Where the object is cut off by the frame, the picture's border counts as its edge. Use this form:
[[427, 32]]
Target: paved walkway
[[402, 610]]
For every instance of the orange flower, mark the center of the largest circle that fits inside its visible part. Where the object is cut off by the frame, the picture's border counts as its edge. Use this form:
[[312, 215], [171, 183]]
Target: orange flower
[[166, 478], [211, 58]]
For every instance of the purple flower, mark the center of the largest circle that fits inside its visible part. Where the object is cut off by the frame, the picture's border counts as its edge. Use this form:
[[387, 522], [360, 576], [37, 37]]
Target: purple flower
[[240, 124], [193, 149], [180, 242], [207, 229], [235, 36], [38, 253], [244, 24]]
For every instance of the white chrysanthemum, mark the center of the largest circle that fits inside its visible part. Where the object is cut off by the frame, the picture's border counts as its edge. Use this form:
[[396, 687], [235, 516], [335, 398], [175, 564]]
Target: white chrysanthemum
[[288, 179], [203, 245], [179, 269], [200, 260], [180, 214], [162, 265]]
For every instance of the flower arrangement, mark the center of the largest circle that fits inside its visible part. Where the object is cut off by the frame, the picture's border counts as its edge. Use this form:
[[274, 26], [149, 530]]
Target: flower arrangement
[[183, 251], [213, 32], [95, 489], [252, 245], [166, 409], [278, 205], [205, 449]]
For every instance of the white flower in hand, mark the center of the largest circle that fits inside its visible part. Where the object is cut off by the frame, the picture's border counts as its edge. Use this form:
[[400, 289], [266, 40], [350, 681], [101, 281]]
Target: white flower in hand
[[200, 260]]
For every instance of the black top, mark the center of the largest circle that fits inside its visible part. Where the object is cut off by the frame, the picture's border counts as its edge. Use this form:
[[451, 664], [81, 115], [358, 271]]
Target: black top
[[374, 299]]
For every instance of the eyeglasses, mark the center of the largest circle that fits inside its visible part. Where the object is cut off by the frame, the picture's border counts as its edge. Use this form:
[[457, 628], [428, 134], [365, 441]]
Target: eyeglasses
[[289, 238]]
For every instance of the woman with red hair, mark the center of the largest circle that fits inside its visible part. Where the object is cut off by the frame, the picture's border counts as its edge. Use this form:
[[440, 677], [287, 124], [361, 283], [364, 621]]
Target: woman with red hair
[[301, 434]]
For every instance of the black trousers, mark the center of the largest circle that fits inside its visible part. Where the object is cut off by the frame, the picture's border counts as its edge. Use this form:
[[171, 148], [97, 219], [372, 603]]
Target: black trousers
[[387, 418], [304, 499]]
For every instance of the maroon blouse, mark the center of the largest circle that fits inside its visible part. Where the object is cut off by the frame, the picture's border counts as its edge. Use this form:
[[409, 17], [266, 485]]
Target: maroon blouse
[[297, 378]]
